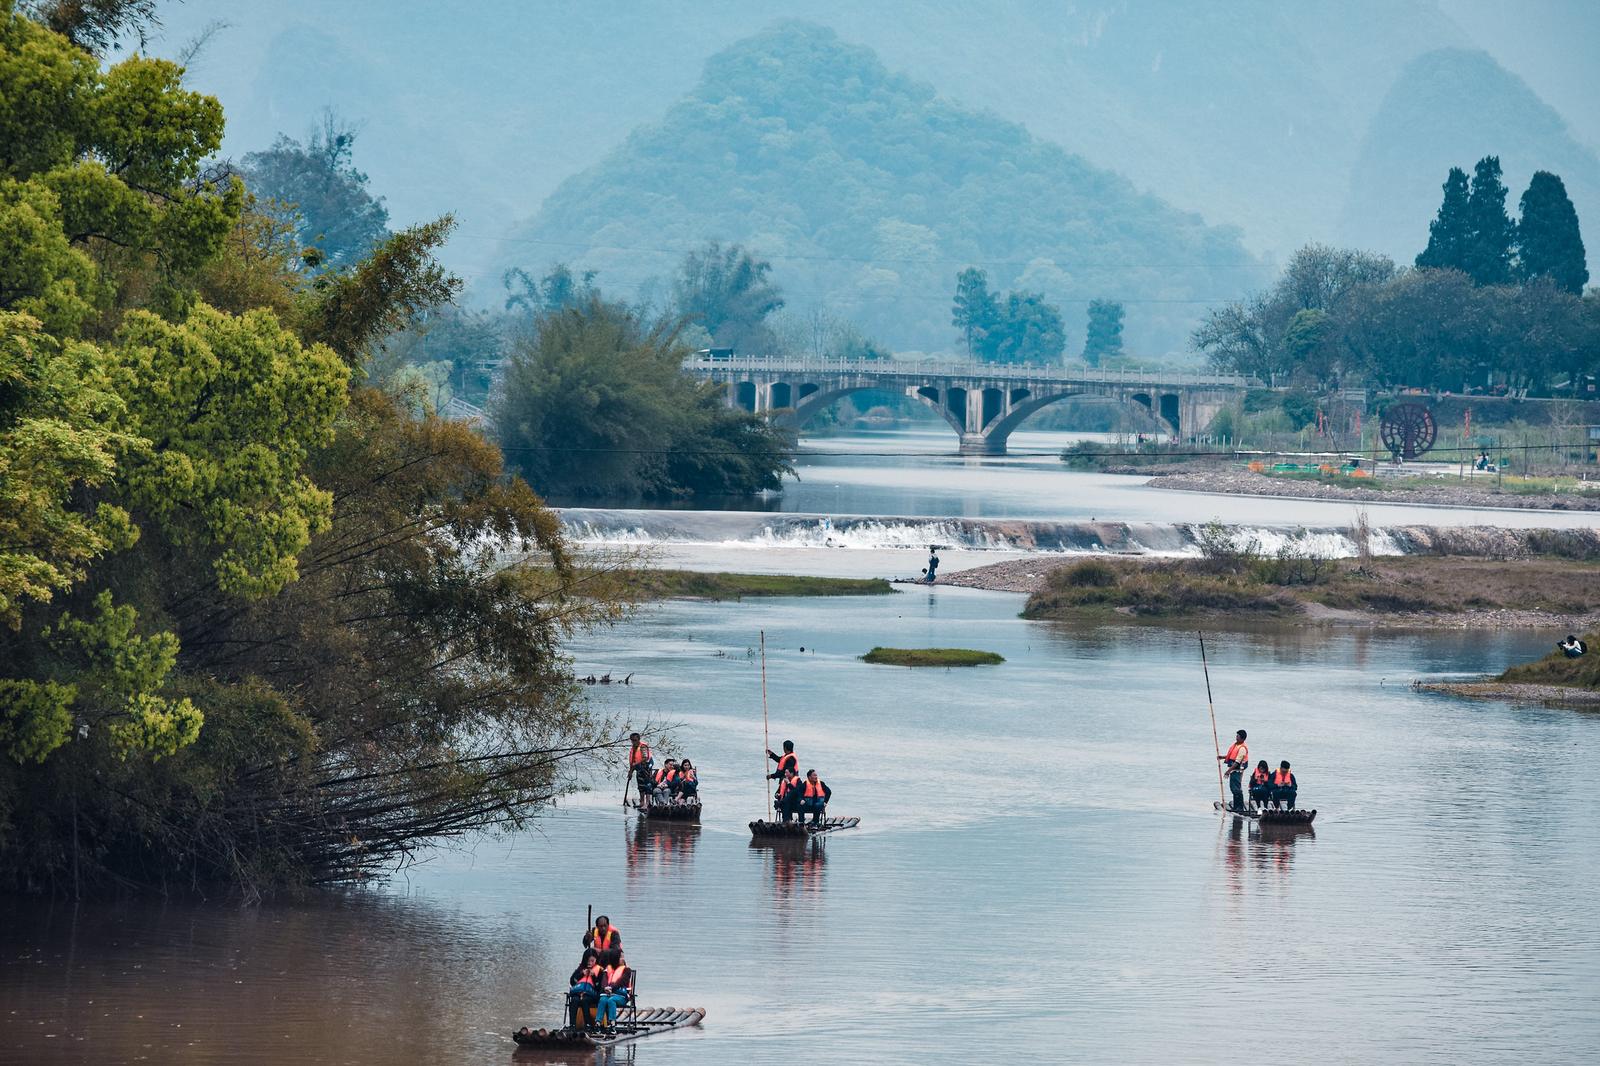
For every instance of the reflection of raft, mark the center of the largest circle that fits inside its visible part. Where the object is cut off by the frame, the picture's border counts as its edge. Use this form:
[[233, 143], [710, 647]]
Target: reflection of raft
[[797, 829], [647, 1023], [686, 812], [1271, 815]]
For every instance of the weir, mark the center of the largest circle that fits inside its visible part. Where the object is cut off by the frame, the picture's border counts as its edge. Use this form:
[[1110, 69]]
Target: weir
[[983, 402]]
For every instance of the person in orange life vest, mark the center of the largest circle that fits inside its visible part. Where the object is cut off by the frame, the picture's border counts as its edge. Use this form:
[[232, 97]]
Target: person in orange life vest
[[1236, 762], [664, 780], [789, 791], [604, 935], [687, 787], [615, 979], [1284, 786], [814, 796], [583, 991], [641, 763], [1261, 785], [786, 762]]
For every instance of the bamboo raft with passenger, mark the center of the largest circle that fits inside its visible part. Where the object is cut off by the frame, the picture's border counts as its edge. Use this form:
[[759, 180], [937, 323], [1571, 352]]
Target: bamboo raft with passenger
[[1271, 815], [673, 811], [639, 1024], [763, 828]]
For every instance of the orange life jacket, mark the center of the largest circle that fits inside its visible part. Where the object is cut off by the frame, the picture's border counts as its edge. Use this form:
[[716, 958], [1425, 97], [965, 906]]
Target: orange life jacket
[[690, 776], [1282, 777], [1260, 777], [790, 761], [639, 756], [592, 975], [614, 974], [814, 789], [1239, 753], [664, 776], [602, 944], [785, 785]]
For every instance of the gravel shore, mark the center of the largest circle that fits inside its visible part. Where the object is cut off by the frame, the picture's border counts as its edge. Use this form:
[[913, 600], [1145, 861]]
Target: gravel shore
[[1245, 482], [1550, 695]]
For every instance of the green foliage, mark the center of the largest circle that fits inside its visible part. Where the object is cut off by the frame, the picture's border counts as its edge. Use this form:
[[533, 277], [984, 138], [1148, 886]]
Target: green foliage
[[595, 401], [57, 413], [1450, 233], [1549, 244], [35, 717], [232, 407], [558, 290], [694, 584], [975, 311], [1021, 329], [727, 293], [1104, 337], [386, 291], [320, 189], [1490, 232], [932, 657]]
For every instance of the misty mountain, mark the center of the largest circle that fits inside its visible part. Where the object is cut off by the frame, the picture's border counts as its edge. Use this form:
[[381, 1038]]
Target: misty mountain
[[1450, 108], [869, 192]]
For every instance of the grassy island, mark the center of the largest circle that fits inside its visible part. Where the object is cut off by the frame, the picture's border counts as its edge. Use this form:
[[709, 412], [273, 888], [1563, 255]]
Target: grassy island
[[932, 657], [690, 584]]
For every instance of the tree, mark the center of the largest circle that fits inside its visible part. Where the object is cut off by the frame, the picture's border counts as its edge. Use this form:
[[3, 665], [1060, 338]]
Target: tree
[[595, 401], [1104, 337], [556, 291], [1029, 331], [1450, 233], [976, 312], [727, 291], [95, 25], [318, 186], [1491, 235], [1549, 244]]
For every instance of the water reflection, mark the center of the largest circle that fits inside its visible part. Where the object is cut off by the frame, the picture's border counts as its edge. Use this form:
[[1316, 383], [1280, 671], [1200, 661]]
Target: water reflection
[[658, 845], [794, 866]]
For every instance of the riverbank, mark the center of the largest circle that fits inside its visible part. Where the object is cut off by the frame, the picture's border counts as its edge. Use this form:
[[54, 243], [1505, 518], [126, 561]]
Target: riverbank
[[1393, 591], [1234, 480], [698, 585], [1554, 680]]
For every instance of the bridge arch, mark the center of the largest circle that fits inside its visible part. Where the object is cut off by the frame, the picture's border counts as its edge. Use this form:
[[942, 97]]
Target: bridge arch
[[1026, 406]]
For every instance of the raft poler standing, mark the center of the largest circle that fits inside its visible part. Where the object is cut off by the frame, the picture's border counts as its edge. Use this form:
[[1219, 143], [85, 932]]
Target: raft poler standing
[[641, 763], [786, 762], [1236, 762]]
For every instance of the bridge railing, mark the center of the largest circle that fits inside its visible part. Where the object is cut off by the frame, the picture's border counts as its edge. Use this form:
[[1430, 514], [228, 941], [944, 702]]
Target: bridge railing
[[714, 366]]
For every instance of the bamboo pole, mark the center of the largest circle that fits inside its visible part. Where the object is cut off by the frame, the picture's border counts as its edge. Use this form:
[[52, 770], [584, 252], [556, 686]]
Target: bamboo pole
[[1216, 745], [766, 736]]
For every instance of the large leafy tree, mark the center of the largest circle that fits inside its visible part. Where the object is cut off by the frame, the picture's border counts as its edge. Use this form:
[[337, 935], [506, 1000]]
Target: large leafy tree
[[975, 311], [317, 184], [1030, 330], [1104, 337], [1549, 244], [727, 292]]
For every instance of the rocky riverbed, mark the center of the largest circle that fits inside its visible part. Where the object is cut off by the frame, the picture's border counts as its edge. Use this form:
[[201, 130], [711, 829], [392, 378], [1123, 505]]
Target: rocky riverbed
[[1238, 481]]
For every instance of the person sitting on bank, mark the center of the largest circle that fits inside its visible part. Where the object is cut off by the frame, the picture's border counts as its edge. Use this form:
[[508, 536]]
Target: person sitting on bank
[[1572, 647], [1284, 786], [615, 980], [1236, 762], [687, 788], [641, 763], [1261, 785], [786, 762], [814, 797], [603, 937], [583, 989], [788, 795]]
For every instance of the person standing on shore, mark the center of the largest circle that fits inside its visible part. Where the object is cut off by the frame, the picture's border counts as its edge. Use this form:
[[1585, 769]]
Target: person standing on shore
[[1236, 762], [933, 563]]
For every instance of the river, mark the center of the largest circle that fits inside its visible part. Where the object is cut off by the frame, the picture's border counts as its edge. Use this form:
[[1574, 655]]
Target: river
[[1038, 876]]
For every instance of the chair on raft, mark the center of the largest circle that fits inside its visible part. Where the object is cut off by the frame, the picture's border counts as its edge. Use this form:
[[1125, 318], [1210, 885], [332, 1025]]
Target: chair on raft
[[576, 1010]]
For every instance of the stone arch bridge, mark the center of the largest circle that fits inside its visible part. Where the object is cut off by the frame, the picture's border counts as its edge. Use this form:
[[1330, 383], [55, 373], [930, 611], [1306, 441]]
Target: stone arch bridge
[[982, 402]]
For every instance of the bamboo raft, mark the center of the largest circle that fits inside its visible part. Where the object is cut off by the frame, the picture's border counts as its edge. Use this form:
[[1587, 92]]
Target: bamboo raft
[[646, 1023], [1270, 815], [761, 828], [686, 812]]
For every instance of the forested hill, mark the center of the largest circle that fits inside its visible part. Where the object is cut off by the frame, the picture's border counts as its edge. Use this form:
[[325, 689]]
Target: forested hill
[[1450, 108], [869, 193]]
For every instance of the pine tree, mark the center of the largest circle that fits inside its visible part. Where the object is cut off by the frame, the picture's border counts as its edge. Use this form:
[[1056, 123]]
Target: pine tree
[[1548, 241], [1492, 234], [975, 312], [1104, 339], [1448, 233]]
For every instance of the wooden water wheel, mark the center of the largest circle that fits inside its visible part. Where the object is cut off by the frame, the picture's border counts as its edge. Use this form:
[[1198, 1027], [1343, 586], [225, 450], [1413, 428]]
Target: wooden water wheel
[[1408, 430]]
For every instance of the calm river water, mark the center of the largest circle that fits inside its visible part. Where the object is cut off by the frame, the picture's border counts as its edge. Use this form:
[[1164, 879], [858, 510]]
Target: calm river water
[[1038, 877]]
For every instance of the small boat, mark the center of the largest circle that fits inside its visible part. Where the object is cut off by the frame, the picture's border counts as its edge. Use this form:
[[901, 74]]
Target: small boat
[[687, 812], [760, 828], [645, 1023], [1270, 815]]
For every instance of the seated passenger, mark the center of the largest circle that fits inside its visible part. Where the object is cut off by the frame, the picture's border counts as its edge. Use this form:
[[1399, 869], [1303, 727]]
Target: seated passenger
[[665, 778], [583, 991], [1261, 785], [788, 796], [615, 980], [687, 788], [1284, 786], [814, 797]]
